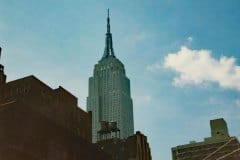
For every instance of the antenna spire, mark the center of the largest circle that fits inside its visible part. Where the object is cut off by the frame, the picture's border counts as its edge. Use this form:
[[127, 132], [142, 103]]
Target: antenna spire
[[108, 51], [108, 21]]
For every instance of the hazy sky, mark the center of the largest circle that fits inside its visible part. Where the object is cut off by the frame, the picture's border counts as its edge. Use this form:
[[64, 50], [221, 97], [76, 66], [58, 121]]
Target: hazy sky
[[182, 58]]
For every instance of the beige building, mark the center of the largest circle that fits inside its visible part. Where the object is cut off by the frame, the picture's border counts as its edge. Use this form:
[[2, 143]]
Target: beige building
[[220, 146]]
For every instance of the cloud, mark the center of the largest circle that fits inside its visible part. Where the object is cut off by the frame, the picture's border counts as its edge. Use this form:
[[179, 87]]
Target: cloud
[[154, 67], [190, 39], [198, 67]]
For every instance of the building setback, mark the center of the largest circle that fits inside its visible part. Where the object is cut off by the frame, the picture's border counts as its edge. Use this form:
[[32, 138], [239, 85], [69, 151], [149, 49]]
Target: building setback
[[109, 98], [220, 146], [38, 122]]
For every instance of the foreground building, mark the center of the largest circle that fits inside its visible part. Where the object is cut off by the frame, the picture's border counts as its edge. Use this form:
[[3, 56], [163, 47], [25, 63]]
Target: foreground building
[[134, 147], [220, 146], [38, 122], [109, 98]]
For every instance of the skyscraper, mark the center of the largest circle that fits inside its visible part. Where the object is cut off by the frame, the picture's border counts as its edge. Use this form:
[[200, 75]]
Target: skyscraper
[[109, 96]]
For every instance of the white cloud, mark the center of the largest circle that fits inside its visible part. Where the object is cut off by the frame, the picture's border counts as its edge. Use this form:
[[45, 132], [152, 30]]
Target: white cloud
[[198, 67], [190, 39]]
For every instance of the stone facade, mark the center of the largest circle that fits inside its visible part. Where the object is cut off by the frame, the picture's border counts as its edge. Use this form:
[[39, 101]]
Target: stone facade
[[109, 98]]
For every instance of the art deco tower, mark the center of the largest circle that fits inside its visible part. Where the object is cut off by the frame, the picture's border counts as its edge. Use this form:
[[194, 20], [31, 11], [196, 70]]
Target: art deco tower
[[109, 96]]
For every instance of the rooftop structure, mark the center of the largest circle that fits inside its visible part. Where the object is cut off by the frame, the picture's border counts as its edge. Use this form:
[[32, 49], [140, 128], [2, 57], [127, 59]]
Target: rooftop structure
[[220, 146]]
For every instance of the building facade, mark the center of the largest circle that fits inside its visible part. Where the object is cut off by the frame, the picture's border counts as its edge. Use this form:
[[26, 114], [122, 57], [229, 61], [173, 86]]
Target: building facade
[[220, 146], [135, 147], [26, 134], [38, 122], [58, 104], [109, 97]]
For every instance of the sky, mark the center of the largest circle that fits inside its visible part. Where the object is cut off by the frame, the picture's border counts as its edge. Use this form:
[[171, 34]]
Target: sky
[[182, 58]]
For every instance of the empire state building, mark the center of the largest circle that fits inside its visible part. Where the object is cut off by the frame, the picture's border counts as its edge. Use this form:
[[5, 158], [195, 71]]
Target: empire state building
[[109, 97]]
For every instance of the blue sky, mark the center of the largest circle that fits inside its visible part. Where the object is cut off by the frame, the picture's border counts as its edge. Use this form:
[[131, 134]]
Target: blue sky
[[182, 58]]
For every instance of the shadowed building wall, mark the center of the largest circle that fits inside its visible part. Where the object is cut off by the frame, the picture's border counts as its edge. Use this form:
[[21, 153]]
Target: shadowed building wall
[[41, 123], [27, 135], [57, 105], [134, 147]]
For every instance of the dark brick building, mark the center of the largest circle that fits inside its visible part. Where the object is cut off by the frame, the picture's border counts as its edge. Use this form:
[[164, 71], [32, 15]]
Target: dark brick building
[[57, 105], [134, 147], [220, 146], [41, 123], [27, 135]]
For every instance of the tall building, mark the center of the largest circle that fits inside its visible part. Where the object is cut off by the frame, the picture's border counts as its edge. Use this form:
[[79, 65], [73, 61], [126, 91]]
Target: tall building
[[109, 96], [220, 146]]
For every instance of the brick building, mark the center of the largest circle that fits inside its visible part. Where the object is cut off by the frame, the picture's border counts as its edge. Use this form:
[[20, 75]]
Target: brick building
[[38, 122], [134, 147], [220, 146]]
